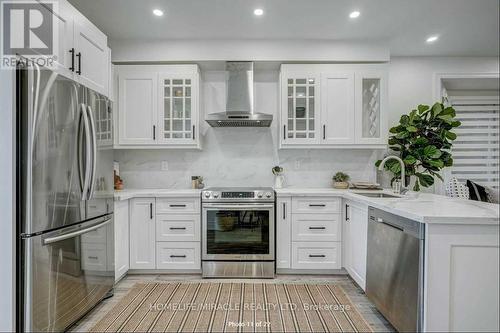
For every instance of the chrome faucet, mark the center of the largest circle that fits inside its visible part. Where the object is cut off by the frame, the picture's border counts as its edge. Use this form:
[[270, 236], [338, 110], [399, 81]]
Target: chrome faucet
[[403, 179]]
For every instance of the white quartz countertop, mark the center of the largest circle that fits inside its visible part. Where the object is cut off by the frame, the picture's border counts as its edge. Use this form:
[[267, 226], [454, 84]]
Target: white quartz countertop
[[422, 207], [155, 193]]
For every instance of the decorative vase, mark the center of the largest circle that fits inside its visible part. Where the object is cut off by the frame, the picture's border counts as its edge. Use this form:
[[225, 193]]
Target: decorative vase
[[279, 180], [341, 185]]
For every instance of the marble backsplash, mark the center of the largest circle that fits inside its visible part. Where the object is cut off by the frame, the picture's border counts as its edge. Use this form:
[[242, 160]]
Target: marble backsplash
[[242, 156]]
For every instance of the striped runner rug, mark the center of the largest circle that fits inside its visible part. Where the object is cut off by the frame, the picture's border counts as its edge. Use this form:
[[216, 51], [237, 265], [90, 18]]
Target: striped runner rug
[[233, 307]]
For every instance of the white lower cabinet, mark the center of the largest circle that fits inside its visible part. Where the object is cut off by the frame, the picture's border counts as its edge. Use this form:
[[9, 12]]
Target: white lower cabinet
[[165, 233], [142, 233], [309, 233], [283, 232], [316, 255], [178, 255], [178, 228], [122, 247], [355, 225]]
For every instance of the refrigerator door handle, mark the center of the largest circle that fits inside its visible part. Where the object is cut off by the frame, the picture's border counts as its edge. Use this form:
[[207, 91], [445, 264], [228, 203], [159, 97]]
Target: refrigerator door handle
[[73, 234], [87, 152], [94, 152]]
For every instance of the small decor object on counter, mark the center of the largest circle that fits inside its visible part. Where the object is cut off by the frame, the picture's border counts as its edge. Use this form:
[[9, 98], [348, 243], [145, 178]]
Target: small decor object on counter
[[340, 180], [279, 180], [197, 182], [118, 182], [423, 140]]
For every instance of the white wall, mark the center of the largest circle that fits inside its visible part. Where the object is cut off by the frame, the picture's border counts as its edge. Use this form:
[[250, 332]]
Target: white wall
[[7, 239], [412, 79], [256, 50]]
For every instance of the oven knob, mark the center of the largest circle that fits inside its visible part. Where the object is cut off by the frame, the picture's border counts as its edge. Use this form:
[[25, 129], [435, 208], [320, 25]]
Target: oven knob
[[268, 195], [207, 195], [259, 195], [216, 195]]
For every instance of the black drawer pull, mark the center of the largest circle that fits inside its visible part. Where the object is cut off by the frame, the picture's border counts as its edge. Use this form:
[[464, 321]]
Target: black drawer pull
[[177, 256], [177, 228], [79, 56], [317, 256], [177, 205], [317, 228], [93, 257], [317, 205], [72, 51]]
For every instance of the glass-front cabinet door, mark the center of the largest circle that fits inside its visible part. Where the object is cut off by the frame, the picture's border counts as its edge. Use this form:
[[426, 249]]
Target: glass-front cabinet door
[[300, 108], [178, 109], [371, 95]]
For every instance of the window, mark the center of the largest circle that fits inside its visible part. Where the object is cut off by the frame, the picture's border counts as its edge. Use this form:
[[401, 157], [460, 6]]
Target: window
[[476, 149]]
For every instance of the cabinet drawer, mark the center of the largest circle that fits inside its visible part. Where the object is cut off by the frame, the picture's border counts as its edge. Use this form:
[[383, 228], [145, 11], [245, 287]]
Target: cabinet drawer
[[177, 255], [308, 205], [177, 227], [178, 205], [316, 227], [94, 257], [95, 236], [316, 255]]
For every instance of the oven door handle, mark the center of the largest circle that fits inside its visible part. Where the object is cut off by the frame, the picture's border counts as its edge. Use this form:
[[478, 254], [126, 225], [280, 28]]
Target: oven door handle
[[256, 206]]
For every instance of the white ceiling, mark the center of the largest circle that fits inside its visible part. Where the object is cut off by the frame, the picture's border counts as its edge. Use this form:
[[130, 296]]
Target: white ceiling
[[465, 27]]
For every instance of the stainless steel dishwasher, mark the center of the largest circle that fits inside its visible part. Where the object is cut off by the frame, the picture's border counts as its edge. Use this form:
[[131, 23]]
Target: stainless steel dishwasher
[[394, 272]]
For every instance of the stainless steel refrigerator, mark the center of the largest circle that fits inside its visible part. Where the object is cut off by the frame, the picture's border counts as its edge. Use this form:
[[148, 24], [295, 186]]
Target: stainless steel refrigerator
[[65, 243]]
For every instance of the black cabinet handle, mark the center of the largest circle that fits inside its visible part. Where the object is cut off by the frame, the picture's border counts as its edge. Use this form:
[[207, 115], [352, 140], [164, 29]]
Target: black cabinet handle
[[284, 132], [93, 257], [347, 218], [317, 205], [151, 211], [317, 256], [177, 205], [194, 135], [72, 51], [324, 132], [154, 132], [317, 228], [79, 56], [177, 228], [177, 256], [284, 210]]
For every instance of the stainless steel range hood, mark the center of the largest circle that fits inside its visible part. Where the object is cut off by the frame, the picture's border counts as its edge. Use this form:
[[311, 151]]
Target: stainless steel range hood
[[239, 100]]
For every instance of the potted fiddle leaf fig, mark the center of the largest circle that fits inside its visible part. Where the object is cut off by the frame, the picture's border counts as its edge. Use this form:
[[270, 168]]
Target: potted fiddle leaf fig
[[423, 139], [340, 180]]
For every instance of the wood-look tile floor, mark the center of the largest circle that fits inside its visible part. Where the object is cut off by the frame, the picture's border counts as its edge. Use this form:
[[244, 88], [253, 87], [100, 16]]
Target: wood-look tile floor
[[377, 322]]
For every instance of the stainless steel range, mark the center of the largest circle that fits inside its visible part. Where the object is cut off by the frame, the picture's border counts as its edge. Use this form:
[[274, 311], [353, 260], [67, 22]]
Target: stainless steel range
[[238, 232]]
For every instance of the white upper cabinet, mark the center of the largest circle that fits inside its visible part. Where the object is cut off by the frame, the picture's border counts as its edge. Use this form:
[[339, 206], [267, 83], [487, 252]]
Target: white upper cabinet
[[158, 106], [300, 114], [337, 108], [371, 107], [82, 53], [136, 111], [333, 106], [91, 56]]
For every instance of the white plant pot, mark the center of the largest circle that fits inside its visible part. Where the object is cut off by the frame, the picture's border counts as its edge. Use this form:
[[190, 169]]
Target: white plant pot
[[279, 181]]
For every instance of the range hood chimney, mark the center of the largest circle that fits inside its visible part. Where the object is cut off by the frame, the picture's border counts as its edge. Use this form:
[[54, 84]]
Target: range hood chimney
[[239, 100]]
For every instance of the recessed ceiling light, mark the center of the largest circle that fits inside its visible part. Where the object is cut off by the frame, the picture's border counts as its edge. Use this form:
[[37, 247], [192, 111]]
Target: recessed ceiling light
[[432, 39], [354, 14], [158, 12], [258, 12]]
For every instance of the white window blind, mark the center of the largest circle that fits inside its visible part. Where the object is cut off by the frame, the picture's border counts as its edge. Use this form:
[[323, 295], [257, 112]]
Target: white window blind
[[476, 150]]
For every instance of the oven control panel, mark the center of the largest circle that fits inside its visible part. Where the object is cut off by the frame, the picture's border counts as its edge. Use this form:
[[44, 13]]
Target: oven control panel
[[221, 194]]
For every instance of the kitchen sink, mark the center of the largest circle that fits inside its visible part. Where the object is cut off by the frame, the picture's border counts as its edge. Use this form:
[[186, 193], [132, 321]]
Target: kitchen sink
[[379, 195]]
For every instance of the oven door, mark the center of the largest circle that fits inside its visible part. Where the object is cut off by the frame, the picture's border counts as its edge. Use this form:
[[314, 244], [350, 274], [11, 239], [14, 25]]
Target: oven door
[[236, 231]]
